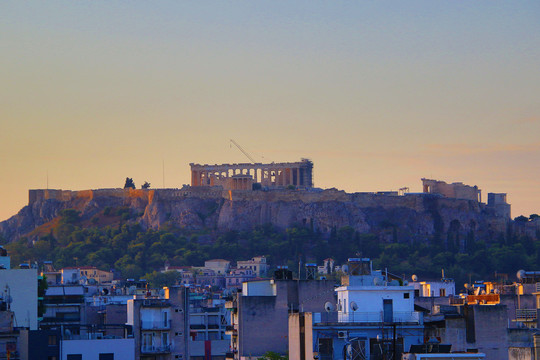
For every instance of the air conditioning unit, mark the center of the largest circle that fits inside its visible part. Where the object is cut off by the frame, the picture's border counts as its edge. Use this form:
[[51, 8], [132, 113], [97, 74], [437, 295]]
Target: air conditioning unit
[[342, 334]]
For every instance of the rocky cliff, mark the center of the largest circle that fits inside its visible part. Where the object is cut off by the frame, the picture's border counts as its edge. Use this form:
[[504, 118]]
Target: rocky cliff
[[403, 218]]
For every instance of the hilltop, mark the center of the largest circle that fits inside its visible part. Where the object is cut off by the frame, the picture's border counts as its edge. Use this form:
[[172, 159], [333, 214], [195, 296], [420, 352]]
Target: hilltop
[[417, 217], [137, 231]]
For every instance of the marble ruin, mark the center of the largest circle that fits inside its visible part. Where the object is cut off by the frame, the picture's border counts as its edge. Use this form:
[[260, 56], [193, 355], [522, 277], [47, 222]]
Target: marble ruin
[[243, 176], [456, 190]]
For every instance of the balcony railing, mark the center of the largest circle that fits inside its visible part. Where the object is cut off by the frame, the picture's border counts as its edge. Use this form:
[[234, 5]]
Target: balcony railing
[[155, 349], [366, 317], [155, 325], [526, 314]]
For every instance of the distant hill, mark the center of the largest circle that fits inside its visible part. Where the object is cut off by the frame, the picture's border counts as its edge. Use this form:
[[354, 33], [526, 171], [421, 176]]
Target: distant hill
[[390, 217], [137, 231]]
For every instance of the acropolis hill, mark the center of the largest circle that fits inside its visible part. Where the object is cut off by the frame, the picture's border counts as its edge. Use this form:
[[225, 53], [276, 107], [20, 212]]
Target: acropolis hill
[[231, 197]]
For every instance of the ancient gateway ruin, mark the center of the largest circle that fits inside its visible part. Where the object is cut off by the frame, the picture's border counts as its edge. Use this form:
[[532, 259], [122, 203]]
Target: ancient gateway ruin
[[244, 176], [456, 190]]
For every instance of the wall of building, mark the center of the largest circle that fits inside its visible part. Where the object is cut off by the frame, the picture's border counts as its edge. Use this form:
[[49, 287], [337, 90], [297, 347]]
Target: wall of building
[[263, 320], [370, 298], [490, 326], [301, 336], [90, 349], [21, 285], [259, 288]]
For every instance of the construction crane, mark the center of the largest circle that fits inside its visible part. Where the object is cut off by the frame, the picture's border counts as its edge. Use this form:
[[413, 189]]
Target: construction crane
[[243, 151]]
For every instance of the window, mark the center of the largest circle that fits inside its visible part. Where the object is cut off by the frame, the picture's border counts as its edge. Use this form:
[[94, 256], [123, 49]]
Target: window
[[74, 357], [106, 356], [325, 348], [442, 292], [52, 340], [52, 358], [165, 339], [165, 319], [405, 295]]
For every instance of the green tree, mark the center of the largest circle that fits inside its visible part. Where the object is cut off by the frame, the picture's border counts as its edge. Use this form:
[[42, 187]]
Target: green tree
[[158, 279], [129, 183], [270, 355]]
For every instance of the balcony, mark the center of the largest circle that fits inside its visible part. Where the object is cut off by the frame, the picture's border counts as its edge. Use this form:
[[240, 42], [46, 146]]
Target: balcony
[[526, 314], [366, 317], [155, 325], [155, 349]]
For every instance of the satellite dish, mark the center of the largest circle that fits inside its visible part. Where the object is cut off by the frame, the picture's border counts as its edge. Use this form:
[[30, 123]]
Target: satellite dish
[[394, 283], [405, 283], [414, 278], [353, 305], [466, 285], [376, 281], [328, 306], [521, 274]]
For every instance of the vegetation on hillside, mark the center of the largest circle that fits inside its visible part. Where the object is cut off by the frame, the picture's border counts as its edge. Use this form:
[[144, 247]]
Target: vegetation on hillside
[[135, 252]]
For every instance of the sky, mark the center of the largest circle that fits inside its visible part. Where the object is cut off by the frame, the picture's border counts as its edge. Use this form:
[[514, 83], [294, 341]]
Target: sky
[[378, 94]]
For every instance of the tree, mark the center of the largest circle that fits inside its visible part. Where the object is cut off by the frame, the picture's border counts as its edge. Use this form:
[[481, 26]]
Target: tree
[[146, 185], [270, 355], [521, 218], [129, 183]]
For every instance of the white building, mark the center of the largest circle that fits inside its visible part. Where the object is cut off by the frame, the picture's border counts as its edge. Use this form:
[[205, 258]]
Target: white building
[[373, 318], [445, 287], [20, 286], [372, 298], [103, 349]]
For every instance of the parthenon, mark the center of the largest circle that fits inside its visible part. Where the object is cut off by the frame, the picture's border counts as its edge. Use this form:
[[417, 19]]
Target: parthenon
[[242, 176]]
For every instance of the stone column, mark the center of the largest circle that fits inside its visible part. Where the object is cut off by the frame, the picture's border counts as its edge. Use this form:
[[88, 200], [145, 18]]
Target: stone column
[[289, 176]]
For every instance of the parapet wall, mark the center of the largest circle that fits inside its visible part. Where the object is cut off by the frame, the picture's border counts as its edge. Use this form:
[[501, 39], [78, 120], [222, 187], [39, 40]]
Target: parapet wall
[[364, 200], [70, 195], [204, 192]]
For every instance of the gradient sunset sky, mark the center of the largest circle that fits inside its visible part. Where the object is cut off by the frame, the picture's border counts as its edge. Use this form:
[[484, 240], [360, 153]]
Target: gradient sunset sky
[[378, 94]]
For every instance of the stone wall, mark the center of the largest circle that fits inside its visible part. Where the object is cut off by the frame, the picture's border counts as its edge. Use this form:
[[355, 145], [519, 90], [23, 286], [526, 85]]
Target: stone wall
[[456, 190]]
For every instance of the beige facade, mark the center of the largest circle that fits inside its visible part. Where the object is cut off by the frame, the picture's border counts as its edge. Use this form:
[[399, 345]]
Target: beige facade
[[76, 274], [257, 264]]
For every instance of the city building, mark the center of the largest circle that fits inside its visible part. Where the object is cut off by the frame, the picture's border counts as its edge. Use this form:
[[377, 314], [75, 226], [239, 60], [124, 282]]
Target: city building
[[257, 264], [19, 289], [219, 266], [160, 325], [373, 318], [236, 277], [259, 313], [85, 275]]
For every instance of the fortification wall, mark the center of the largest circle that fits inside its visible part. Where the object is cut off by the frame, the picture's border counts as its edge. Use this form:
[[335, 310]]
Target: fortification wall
[[71, 195], [364, 200]]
